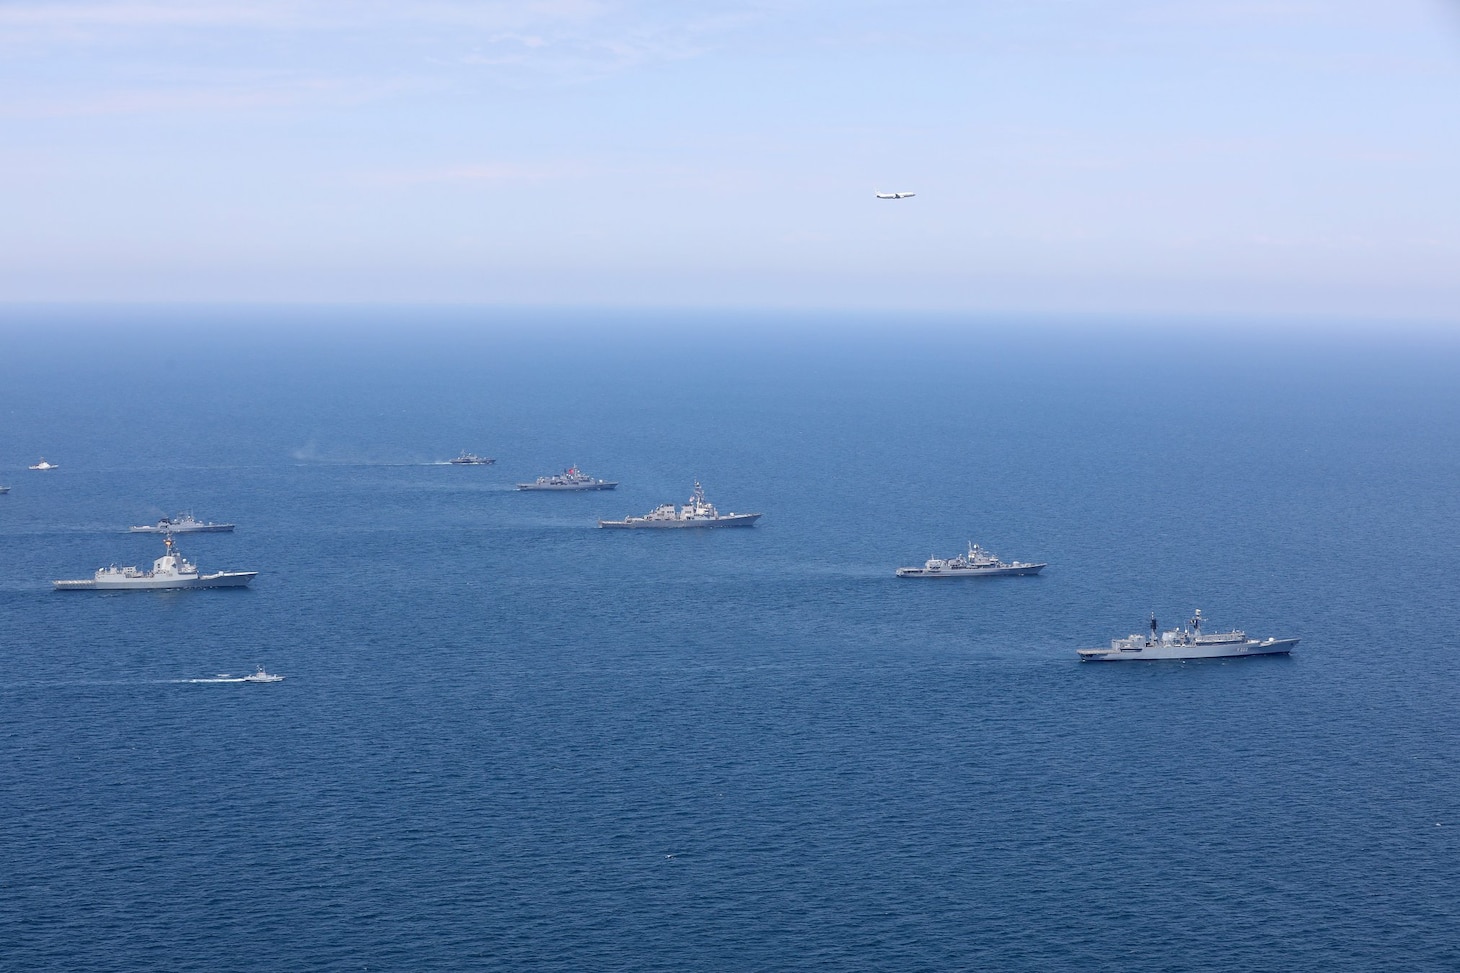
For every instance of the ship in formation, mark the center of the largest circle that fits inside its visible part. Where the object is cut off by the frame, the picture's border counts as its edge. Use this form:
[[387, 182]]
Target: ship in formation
[[1189, 642], [181, 524], [697, 512], [569, 479], [472, 459], [170, 571], [977, 563]]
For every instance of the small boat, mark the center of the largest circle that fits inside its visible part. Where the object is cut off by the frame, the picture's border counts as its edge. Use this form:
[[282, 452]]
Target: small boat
[[472, 459], [4, 489], [262, 676], [43, 466]]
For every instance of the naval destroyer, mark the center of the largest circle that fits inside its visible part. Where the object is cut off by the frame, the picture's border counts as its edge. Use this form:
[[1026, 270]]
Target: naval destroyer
[[1186, 643], [697, 512], [172, 570], [977, 563], [569, 479]]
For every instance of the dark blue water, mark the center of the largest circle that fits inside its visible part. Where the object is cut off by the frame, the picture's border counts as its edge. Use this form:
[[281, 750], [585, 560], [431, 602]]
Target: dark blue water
[[510, 741]]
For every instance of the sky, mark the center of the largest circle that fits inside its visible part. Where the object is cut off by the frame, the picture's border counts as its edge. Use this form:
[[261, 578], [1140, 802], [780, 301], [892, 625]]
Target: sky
[[1209, 157]]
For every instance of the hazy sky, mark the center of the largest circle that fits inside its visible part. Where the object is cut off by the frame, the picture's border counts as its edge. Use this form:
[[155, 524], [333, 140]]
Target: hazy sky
[[1208, 156]]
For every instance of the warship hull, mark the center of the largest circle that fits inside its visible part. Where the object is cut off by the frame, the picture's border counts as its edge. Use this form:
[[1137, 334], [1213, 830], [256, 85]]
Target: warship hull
[[225, 579], [1197, 650], [733, 520], [567, 487], [1007, 571]]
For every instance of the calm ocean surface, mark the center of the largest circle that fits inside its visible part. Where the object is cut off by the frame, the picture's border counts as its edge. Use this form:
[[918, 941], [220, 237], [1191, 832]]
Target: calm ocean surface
[[510, 741]]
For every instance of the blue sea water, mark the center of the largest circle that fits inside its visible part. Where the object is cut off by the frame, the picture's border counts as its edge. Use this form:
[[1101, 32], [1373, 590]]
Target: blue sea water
[[507, 740]]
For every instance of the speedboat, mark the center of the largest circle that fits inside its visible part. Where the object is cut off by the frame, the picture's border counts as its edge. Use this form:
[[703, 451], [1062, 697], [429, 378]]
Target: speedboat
[[262, 676]]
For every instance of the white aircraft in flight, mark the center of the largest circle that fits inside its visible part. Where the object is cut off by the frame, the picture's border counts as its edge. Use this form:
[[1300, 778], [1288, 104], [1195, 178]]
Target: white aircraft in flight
[[895, 195]]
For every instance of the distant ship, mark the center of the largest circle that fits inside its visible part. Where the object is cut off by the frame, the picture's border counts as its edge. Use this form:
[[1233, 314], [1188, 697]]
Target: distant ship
[[172, 570], [262, 676], [569, 479], [977, 563], [697, 512], [43, 466], [1186, 643], [4, 489], [181, 524], [472, 459]]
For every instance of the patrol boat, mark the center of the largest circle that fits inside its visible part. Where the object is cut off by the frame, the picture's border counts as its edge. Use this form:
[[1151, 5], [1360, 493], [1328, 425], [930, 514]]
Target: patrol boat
[[1186, 643], [697, 512], [977, 563], [472, 459], [262, 676], [569, 479], [172, 570], [181, 524], [43, 466]]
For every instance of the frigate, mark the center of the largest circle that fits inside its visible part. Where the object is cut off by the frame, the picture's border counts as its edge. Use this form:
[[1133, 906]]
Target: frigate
[[181, 524], [569, 479], [977, 563], [472, 459], [697, 512], [1186, 643], [172, 570]]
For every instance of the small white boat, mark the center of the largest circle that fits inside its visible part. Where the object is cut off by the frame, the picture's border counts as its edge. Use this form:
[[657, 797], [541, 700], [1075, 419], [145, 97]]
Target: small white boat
[[262, 676], [43, 466]]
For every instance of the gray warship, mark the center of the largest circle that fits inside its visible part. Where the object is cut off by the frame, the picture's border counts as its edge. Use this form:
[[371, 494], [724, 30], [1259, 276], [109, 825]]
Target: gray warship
[[697, 512], [472, 459], [1186, 643], [172, 570], [569, 479], [977, 563], [181, 524]]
